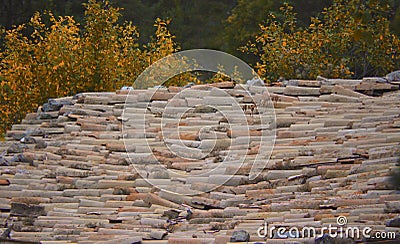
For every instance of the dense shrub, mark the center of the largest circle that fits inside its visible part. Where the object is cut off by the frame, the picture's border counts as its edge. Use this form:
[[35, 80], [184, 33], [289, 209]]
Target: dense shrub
[[351, 38], [61, 58]]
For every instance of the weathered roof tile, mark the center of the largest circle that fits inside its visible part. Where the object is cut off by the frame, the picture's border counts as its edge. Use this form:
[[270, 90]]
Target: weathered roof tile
[[335, 150]]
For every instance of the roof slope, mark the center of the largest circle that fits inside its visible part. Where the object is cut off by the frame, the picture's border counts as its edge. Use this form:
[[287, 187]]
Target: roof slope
[[65, 173]]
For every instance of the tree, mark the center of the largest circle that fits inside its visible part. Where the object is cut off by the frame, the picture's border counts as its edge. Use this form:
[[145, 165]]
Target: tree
[[245, 18], [243, 23], [61, 58], [352, 38]]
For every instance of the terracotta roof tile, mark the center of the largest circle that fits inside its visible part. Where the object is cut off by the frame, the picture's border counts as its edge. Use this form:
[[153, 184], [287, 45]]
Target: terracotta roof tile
[[66, 173]]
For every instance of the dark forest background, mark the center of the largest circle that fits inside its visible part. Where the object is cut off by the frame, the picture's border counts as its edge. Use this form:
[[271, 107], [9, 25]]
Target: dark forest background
[[216, 24]]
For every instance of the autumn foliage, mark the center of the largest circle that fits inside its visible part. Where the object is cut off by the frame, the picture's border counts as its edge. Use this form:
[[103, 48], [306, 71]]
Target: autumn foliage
[[61, 58], [351, 38]]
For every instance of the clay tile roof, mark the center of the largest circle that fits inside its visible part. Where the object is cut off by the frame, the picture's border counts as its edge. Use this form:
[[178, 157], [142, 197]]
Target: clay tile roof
[[67, 176]]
